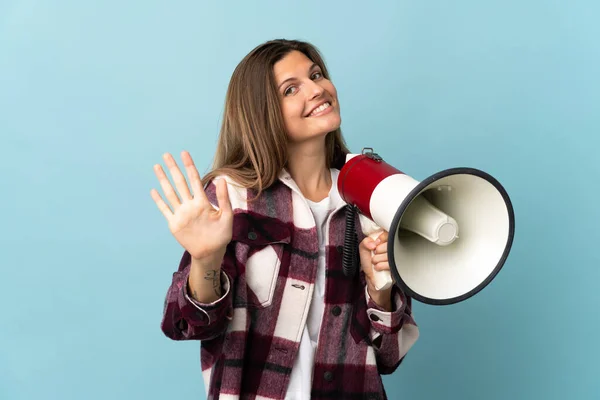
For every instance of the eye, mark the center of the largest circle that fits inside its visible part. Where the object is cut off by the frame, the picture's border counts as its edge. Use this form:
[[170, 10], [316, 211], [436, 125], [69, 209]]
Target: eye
[[317, 75], [289, 89]]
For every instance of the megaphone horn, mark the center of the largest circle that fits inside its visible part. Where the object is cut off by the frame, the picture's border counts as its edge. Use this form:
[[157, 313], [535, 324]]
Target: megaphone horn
[[449, 235]]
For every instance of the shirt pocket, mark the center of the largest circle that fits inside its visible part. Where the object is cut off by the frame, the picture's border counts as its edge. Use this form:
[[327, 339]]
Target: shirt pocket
[[262, 273], [266, 240]]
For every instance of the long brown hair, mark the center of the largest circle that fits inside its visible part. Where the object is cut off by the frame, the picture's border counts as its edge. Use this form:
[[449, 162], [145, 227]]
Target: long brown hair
[[252, 145]]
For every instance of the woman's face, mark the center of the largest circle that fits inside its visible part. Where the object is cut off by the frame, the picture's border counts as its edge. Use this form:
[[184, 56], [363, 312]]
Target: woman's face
[[308, 101]]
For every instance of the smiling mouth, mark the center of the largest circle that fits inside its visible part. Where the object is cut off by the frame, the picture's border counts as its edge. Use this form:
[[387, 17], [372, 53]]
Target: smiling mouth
[[320, 109]]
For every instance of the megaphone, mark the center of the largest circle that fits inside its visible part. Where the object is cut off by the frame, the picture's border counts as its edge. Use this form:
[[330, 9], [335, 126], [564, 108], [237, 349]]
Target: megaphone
[[448, 235]]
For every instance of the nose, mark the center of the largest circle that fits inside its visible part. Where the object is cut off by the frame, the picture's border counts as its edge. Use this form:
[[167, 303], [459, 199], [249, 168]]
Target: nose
[[314, 90]]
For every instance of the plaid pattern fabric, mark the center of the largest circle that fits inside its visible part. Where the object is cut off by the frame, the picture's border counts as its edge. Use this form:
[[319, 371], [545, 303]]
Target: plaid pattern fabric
[[249, 338]]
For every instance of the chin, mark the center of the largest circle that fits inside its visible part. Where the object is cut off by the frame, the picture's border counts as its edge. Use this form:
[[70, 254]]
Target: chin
[[330, 124], [315, 134], [331, 128], [314, 129]]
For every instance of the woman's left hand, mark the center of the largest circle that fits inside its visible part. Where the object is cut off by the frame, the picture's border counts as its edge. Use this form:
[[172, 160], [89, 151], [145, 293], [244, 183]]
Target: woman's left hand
[[380, 262]]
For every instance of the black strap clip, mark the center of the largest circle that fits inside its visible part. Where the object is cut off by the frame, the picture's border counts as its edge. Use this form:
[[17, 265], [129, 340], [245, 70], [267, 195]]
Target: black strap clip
[[368, 151]]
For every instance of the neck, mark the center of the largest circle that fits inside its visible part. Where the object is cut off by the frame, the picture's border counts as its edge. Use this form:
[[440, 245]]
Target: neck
[[308, 167]]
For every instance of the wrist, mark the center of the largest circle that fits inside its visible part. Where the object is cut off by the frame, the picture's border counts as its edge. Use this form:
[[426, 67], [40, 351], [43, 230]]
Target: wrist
[[383, 298], [204, 280], [209, 261]]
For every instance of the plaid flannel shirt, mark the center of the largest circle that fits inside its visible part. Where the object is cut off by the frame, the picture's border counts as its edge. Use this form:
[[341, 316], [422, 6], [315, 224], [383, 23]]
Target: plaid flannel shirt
[[250, 337]]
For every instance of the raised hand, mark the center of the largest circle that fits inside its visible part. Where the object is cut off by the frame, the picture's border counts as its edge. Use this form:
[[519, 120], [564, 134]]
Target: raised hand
[[203, 230]]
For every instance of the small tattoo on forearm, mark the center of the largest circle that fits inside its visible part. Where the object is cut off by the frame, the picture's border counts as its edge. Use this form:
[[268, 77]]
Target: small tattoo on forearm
[[214, 276]]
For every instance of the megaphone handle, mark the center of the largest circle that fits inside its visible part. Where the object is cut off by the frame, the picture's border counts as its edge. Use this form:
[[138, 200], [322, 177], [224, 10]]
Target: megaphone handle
[[381, 279]]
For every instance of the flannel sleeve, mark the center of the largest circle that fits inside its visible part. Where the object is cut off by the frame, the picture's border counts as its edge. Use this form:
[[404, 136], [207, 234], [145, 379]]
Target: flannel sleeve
[[392, 333], [186, 319]]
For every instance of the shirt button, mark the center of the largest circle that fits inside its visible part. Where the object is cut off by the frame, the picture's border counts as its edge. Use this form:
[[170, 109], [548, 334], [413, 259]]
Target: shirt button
[[374, 317], [328, 375], [336, 310], [252, 235]]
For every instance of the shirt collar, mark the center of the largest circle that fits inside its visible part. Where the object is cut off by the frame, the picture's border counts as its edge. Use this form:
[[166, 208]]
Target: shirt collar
[[335, 197]]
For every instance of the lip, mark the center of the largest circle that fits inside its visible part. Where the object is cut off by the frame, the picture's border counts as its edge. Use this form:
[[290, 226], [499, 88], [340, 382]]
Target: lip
[[319, 104]]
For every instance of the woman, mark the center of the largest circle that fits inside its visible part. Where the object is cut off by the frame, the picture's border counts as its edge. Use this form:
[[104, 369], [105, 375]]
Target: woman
[[261, 282]]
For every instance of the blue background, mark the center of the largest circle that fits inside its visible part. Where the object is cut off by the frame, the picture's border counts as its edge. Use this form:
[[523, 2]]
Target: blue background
[[92, 94]]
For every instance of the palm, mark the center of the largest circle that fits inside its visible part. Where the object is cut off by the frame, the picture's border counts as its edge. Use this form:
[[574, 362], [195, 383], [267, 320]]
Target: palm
[[198, 226], [199, 230]]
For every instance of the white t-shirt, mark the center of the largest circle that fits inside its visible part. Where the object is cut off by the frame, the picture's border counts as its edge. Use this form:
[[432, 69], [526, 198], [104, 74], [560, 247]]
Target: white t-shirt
[[302, 371]]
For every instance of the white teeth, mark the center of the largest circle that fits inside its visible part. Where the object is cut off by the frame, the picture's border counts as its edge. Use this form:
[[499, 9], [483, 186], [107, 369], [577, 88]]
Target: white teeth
[[320, 108]]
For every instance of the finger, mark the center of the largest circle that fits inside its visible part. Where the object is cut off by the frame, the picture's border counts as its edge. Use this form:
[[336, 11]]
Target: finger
[[382, 266], [178, 178], [368, 244], [382, 248], [162, 206], [379, 258], [223, 196], [379, 237], [166, 187], [194, 177], [383, 237]]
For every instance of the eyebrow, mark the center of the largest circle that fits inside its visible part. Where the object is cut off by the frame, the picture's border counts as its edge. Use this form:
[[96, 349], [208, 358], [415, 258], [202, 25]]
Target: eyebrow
[[313, 65]]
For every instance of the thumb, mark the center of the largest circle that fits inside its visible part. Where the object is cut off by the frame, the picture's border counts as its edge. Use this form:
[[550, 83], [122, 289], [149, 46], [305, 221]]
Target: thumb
[[368, 244], [223, 196]]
